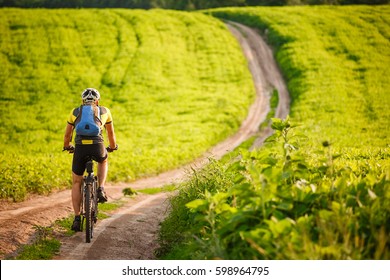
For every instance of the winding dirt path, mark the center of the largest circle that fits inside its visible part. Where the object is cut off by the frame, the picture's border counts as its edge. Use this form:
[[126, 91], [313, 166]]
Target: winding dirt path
[[131, 232]]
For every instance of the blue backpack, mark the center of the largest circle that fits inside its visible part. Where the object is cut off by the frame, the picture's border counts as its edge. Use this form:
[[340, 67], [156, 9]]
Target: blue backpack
[[88, 121]]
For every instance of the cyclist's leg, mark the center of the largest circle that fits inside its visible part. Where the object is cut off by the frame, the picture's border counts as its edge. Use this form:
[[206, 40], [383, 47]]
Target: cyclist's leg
[[101, 156], [102, 175], [78, 167], [76, 193], [102, 171]]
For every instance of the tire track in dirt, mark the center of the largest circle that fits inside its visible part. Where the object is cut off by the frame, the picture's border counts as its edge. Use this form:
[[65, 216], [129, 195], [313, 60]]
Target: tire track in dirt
[[131, 232]]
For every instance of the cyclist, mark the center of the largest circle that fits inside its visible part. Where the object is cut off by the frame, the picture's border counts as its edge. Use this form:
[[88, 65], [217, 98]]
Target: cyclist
[[89, 146]]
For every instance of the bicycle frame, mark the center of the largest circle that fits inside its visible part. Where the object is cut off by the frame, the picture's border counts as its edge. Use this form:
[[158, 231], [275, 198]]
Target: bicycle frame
[[89, 202]]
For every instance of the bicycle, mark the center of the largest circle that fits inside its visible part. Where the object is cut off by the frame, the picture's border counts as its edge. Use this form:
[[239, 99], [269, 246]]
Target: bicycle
[[89, 197], [89, 201]]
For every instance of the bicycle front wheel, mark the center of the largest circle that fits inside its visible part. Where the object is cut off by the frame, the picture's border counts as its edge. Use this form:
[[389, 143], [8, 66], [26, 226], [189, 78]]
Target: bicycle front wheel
[[89, 219]]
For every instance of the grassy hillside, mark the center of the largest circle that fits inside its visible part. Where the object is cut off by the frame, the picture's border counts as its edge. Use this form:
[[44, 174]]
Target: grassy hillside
[[320, 188], [335, 61], [176, 84]]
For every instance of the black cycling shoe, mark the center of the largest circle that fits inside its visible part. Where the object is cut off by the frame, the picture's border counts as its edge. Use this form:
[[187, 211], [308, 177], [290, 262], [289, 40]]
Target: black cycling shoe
[[76, 226], [102, 197]]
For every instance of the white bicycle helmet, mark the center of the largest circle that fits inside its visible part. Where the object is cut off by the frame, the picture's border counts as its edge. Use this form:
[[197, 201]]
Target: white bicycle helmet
[[90, 95]]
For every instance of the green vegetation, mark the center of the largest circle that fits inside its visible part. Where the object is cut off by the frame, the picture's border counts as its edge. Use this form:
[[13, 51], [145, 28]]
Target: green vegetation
[[64, 225], [166, 188], [320, 190], [280, 203], [43, 247], [43, 250], [273, 104], [106, 208], [335, 62], [172, 88]]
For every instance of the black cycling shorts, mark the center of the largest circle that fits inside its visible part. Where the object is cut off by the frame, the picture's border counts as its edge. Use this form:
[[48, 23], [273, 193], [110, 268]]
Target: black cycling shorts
[[83, 153]]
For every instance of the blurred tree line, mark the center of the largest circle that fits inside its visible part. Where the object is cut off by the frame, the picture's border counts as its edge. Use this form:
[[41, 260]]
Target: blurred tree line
[[175, 4]]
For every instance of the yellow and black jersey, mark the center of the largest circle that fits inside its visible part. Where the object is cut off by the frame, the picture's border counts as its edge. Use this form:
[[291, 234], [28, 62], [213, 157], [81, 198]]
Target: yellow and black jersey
[[105, 118]]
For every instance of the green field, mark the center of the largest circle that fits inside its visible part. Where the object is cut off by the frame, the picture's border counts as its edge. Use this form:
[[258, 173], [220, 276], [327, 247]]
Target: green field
[[176, 84], [320, 187], [335, 61]]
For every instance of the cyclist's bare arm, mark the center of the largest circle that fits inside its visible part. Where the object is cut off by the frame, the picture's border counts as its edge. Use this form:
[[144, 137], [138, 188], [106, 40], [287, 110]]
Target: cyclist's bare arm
[[111, 135], [68, 135]]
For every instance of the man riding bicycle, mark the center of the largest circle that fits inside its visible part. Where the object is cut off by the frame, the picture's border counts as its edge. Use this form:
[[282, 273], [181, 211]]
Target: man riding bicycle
[[86, 147]]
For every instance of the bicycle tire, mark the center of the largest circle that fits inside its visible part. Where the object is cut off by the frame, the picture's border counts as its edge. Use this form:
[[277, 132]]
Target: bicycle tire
[[88, 213], [95, 200], [82, 205]]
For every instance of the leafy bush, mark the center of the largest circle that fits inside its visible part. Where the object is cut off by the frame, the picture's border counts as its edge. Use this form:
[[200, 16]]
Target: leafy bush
[[276, 203]]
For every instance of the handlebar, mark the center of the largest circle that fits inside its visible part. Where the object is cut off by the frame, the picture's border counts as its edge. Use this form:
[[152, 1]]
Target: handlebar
[[70, 149], [110, 150]]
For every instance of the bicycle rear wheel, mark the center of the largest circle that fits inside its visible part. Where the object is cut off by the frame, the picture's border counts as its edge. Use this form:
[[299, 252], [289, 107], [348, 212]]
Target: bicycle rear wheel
[[95, 201], [82, 206], [89, 219]]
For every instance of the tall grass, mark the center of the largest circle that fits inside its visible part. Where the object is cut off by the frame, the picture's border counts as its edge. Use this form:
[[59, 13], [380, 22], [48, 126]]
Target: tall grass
[[319, 190], [176, 84]]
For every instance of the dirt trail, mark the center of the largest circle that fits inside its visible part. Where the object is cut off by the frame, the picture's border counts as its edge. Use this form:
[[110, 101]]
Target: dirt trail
[[127, 235], [131, 232], [266, 74]]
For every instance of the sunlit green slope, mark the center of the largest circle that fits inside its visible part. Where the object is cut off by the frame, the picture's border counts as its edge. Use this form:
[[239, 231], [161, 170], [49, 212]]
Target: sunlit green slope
[[176, 84], [320, 186], [335, 60]]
